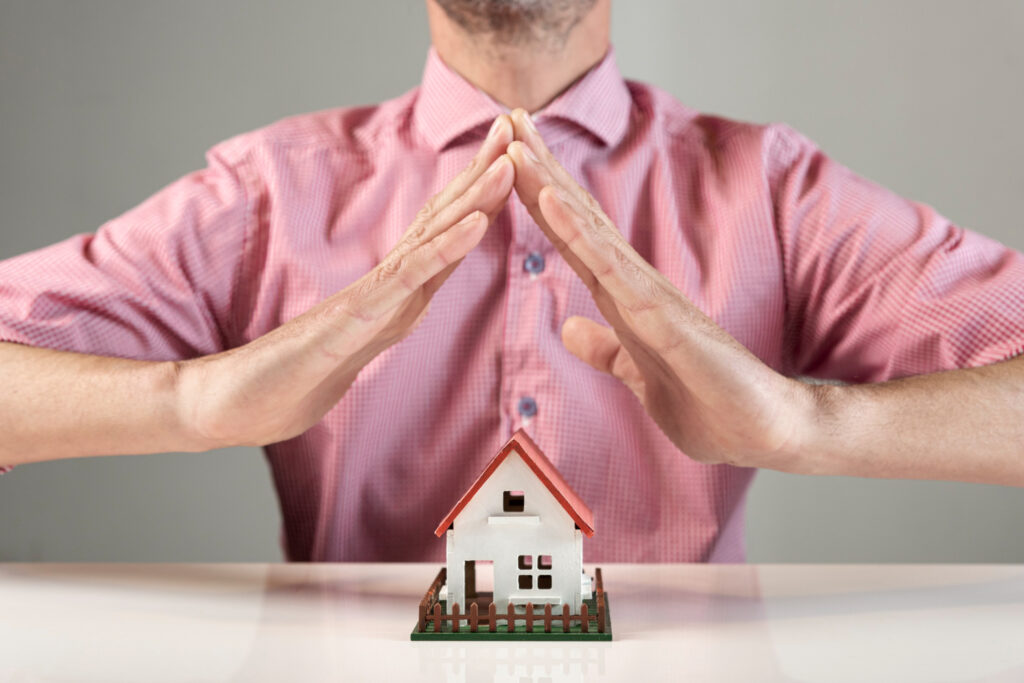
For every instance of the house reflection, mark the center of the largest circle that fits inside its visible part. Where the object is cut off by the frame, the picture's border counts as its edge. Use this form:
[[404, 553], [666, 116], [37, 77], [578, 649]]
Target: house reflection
[[511, 662]]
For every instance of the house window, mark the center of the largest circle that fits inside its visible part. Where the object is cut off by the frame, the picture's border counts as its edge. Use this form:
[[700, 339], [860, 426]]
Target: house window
[[513, 501], [528, 572]]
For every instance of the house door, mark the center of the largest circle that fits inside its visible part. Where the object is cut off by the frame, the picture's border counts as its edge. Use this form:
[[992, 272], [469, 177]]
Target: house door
[[479, 579]]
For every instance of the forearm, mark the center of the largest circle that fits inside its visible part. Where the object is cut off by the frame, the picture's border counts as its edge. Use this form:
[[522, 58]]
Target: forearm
[[65, 405], [962, 425]]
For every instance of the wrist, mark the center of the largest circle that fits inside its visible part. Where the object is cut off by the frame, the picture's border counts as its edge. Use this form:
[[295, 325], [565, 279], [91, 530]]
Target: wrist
[[192, 426], [829, 429]]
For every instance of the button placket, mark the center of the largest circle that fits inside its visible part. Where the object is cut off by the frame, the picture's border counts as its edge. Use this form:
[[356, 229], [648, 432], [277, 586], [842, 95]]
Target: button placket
[[522, 364]]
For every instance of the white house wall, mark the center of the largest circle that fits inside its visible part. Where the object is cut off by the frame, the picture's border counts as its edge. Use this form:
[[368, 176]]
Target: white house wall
[[474, 537]]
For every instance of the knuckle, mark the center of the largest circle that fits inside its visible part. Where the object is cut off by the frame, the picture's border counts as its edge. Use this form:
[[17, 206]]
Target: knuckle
[[439, 254], [388, 268], [414, 234], [597, 218], [343, 308], [426, 211], [629, 267], [432, 206]]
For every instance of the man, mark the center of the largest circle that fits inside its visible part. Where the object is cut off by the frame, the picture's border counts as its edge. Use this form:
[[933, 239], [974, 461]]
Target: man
[[696, 265]]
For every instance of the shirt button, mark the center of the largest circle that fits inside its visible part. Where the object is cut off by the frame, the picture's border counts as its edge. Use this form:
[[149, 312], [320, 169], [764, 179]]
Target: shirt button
[[527, 406], [534, 263]]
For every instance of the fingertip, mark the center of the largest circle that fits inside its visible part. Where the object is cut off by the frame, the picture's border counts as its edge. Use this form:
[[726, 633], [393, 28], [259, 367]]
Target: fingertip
[[573, 337], [569, 326], [549, 196], [516, 152], [523, 123], [580, 323], [523, 153], [502, 128], [501, 167], [497, 166], [472, 219], [511, 164]]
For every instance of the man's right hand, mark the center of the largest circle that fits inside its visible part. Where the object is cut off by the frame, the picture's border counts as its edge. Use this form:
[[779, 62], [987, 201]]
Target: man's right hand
[[279, 385]]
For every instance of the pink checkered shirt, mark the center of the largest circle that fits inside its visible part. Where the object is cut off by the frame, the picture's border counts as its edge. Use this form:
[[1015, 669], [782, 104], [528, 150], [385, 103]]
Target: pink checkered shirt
[[817, 271]]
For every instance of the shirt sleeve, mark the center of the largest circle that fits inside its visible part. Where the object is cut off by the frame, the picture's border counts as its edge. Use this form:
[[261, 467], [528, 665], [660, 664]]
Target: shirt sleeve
[[880, 287], [155, 283]]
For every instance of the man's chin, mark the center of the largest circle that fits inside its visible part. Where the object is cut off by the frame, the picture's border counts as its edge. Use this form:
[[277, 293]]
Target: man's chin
[[517, 21]]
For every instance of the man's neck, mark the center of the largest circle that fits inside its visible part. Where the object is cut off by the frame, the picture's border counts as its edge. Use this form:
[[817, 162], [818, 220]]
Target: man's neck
[[523, 75]]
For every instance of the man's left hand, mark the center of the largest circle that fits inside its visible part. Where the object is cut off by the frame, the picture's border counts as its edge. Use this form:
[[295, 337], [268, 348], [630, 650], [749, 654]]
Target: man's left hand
[[712, 397]]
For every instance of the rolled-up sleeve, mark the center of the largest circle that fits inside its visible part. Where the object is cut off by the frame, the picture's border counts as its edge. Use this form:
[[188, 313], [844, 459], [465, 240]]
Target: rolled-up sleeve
[[879, 287], [155, 283]]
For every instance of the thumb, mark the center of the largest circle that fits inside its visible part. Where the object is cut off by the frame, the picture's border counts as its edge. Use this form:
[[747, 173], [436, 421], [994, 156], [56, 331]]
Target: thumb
[[599, 347]]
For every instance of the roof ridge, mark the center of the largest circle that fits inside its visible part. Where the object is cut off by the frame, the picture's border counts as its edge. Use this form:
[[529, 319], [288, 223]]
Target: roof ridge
[[543, 469]]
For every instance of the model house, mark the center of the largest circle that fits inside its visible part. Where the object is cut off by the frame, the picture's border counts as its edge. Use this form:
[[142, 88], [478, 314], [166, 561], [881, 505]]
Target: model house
[[516, 536]]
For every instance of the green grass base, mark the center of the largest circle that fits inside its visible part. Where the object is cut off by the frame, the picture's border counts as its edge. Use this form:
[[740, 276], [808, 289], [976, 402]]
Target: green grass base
[[519, 633]]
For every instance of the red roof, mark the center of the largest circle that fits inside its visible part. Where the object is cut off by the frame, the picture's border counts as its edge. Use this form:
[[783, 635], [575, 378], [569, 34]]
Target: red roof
[[536, 460]]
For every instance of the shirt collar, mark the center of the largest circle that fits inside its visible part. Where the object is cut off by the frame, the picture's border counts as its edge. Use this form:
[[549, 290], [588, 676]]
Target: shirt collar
[[448, 106]]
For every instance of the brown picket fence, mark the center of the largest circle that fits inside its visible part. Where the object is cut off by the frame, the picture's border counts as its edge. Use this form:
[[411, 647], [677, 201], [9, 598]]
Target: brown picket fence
[[432, 617]]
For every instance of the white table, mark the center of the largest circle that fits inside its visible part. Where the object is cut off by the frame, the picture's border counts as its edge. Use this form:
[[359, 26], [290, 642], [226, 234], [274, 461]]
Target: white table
[[351, 622]]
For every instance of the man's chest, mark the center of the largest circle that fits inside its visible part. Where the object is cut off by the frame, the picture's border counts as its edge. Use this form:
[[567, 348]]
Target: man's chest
[[716, 244]]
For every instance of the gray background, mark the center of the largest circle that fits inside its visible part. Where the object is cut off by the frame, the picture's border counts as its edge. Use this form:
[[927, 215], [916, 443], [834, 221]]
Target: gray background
[[104, 102]]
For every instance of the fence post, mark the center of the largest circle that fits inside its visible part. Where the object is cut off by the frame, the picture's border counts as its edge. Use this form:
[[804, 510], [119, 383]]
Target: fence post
[[437, 617], [547, 617], [474, 616], [601, 607], [529, 617], [510, 619], [455, 618], [492, 616], [565, 618], [584, 619]]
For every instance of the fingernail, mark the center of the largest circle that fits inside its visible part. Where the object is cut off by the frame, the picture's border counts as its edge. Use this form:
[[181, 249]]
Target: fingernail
[[530, 155], [494, 128], [560, 194], [529, 121], [495, 165], [471, 218]]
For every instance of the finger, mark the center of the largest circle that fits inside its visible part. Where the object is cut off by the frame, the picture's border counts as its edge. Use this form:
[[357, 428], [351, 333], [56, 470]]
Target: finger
[[548, 171], [531, 175], [540, 168], [530, 178], [488, 194], [536, 162], [391, 281], [426, 224], [526, 132], [599, 347], [395, 279], [434, 283], [613, 263]]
